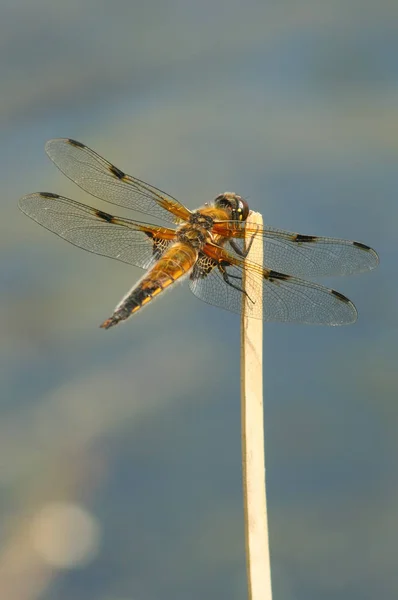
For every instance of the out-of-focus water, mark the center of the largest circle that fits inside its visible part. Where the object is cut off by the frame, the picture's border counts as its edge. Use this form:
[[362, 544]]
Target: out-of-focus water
[[120, 451]]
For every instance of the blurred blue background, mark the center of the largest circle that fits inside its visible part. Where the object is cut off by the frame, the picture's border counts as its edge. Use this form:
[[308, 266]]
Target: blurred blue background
[[120, 471]]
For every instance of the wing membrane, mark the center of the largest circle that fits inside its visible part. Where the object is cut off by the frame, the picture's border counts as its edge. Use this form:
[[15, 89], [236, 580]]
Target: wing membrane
[[304, 255], [285, 298], [102, 179], [96, 231]]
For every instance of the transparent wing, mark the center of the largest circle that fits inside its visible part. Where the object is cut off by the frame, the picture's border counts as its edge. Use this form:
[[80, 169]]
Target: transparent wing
[[102, 179], [96, 231], [285, 298], [305, 255]]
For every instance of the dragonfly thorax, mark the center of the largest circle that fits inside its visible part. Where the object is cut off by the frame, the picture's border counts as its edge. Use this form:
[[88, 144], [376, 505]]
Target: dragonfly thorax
[[196, 235], [201, 220]]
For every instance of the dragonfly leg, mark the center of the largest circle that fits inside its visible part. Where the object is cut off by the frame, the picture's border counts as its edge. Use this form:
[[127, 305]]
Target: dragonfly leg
[[239, 250], [226, 276]]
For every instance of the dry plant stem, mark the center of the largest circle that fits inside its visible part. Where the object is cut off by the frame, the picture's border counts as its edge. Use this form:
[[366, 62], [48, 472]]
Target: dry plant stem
[[253, 463]]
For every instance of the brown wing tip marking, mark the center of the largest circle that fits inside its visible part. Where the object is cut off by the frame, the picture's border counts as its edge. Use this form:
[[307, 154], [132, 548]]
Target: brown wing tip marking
[[104, 216], [48, 195], [272, 275], [75, 143], [298, 237], [361, 246], [117, 172], [341, 296]]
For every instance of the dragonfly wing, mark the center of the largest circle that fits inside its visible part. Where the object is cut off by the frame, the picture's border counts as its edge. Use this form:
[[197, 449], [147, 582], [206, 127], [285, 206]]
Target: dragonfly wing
[[285, 298], [102, 179], [307, 255], [97, 231]]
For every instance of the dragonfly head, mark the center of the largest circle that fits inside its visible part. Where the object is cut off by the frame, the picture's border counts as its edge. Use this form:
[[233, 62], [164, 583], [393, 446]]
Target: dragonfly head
[[236, 206]]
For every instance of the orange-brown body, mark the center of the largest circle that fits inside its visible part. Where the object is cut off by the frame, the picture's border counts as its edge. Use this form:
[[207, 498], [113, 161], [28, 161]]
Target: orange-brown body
[[197, 246], [176, 262]]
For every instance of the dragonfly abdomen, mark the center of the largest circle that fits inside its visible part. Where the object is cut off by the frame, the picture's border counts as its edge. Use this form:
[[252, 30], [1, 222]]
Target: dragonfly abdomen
[[176, 262]]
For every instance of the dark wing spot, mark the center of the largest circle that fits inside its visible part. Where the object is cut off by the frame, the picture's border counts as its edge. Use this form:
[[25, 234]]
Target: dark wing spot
[[340, 296], [203, 267], [224, 263], [304, 238], [48, 195], [271, 275], [360, 245], [104, 216], [160, 245], [75, 143], [116, 172]]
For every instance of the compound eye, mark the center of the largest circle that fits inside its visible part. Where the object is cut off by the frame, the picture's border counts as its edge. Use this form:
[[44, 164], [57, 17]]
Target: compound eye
[[243, 209], [222, 200]]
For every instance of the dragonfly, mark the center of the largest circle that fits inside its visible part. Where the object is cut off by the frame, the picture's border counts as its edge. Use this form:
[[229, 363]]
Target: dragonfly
[[211, 246]]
